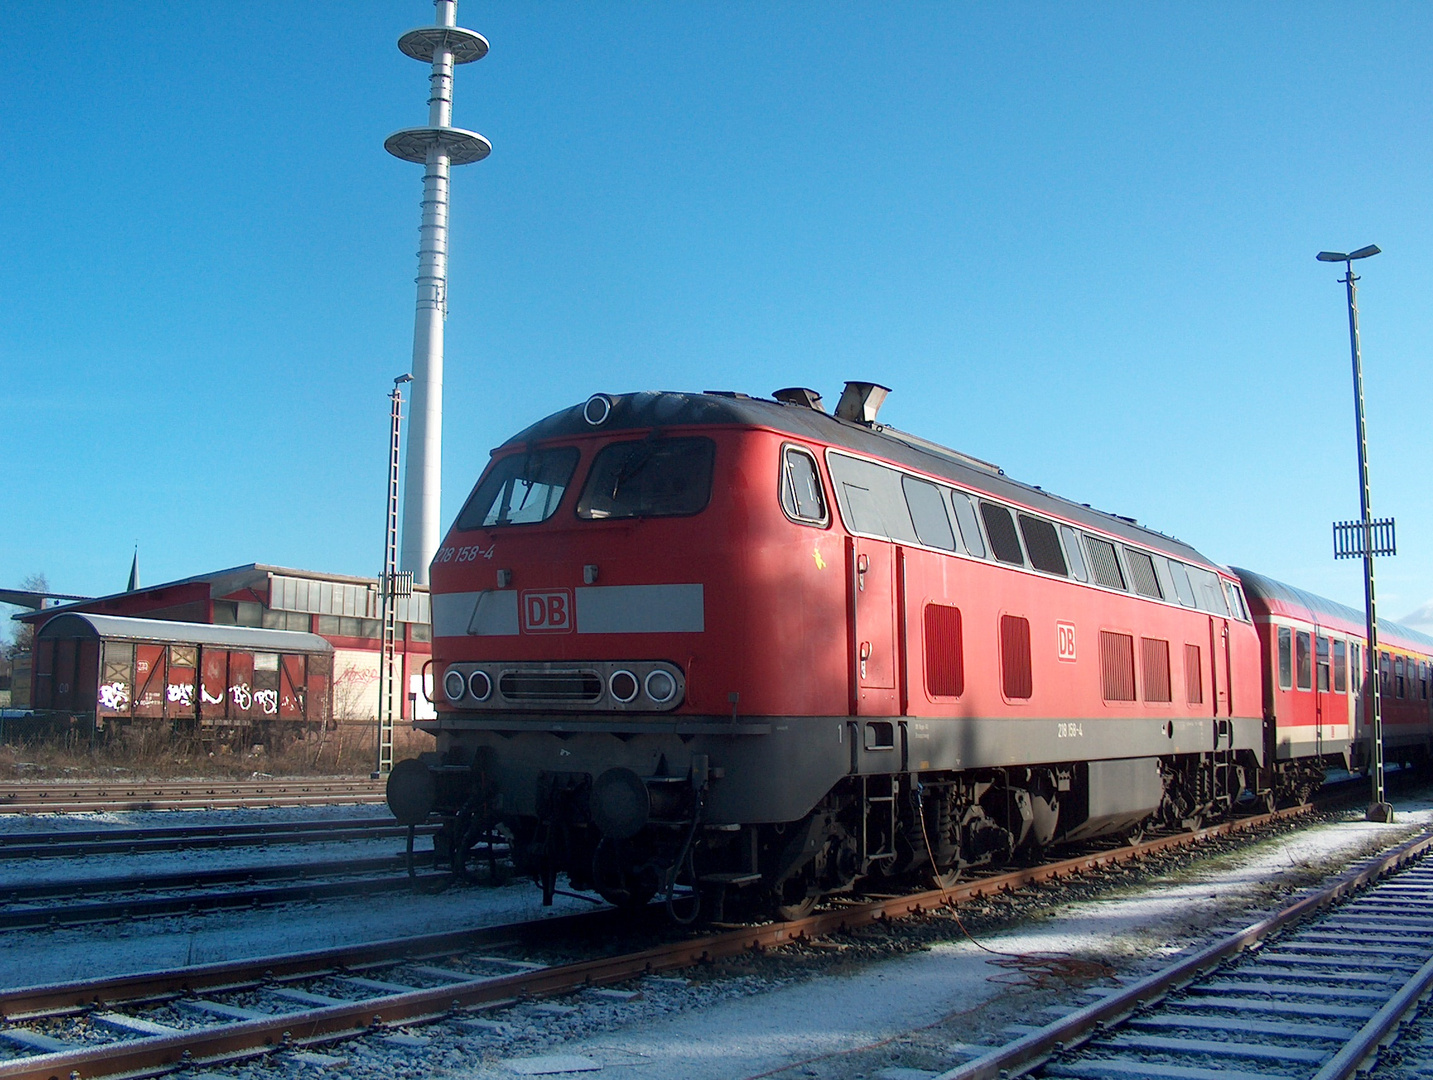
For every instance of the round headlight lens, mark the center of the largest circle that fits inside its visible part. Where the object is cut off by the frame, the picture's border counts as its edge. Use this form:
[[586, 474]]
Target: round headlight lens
[[453, 685], [661, 687], [597, 409], [624, 686], [480, 686]]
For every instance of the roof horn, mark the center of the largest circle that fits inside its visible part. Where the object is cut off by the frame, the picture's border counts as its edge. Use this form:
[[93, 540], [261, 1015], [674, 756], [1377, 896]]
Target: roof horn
[[800, 396], [860, 402]]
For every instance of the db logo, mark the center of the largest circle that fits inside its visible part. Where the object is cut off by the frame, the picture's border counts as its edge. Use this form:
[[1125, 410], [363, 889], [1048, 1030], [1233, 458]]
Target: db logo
[[547, 612], [1065, 641]]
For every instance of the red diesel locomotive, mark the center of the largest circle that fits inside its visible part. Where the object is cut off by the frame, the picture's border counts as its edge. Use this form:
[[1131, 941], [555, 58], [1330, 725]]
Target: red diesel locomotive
[[734, 646]]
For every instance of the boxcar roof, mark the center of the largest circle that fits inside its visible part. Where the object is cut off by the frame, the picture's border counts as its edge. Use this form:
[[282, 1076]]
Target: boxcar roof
[[79, 624], [1266, 588], [660, 409]]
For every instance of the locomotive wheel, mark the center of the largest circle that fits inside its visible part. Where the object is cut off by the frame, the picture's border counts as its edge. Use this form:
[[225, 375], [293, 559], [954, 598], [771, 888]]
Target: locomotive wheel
[[793, 899], [946, 879]]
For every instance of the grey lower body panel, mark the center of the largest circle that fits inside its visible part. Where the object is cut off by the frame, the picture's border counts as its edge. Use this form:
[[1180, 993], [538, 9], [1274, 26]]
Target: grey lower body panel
[[774, 769]]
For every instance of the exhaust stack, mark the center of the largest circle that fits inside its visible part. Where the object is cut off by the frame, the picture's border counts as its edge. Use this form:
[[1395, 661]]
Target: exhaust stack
[[860, 402]]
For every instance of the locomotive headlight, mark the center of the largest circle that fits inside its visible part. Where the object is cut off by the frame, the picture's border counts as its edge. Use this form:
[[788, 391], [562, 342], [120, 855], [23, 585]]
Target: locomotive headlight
[[480, 686], [624, 686], [454, 684], [597, 409], [661, 687]]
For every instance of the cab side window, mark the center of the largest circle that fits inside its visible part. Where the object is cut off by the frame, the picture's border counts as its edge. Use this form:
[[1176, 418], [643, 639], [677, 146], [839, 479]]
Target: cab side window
[[802, 496]]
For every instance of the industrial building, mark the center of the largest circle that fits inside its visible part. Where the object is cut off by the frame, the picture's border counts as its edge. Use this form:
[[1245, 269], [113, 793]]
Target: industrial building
[[346, 611]]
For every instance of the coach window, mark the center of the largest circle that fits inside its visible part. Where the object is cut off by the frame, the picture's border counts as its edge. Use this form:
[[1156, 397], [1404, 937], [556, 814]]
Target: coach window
[[1073, 553], [1323, 663], [1385, 673], [801, 494], [1304, 659], [1355, 666], [928, 514], [969, 526], [651, 477], [1398, 676], [1286, 658], [1104, 562], [1340, 667], [1182, 588], [1043, 544], [1000, 527]]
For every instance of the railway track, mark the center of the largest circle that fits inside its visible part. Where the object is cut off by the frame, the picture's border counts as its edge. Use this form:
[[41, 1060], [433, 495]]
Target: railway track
[[68, 844], [1312, 991], [109, 1027], [71, 903], [100, 796]]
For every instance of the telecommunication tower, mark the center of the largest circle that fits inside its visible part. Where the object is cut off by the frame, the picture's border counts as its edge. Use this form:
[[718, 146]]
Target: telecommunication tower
[[437, 147]]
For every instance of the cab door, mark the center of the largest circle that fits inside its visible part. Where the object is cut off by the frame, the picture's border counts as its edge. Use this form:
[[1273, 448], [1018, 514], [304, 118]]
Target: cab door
[[1219, 666], [873, 622]]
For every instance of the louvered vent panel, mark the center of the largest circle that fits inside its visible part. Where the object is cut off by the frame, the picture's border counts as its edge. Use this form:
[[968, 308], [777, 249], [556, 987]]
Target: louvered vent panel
[[1117, 666], [1015, 656], [944, 651], [1154, 662]]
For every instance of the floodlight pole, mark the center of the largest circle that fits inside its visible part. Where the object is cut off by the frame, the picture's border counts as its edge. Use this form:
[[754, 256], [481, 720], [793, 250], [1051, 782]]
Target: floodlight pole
[[1379, 810]]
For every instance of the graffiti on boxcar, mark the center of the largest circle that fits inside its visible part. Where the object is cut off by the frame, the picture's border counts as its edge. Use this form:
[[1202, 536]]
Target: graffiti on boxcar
[[182, 693], [208, 698], [114, 696], [268, 700], [241, 695]]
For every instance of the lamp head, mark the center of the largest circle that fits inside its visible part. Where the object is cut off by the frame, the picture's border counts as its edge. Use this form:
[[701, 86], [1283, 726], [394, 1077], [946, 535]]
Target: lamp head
[[1364, 252], [1331, 256], [402, 379]]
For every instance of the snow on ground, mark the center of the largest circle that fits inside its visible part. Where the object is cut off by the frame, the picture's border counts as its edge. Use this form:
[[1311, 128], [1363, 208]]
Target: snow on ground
[[29, 958], [959, 986], [716, 1027]]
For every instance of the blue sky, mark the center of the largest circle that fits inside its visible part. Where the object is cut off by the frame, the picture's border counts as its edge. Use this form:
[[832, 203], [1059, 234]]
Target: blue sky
[[1075, 240]]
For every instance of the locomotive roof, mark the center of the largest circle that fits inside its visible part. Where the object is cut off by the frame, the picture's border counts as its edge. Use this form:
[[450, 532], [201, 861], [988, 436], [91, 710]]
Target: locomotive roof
[[1266, 588], [78, 624], [662, 409]]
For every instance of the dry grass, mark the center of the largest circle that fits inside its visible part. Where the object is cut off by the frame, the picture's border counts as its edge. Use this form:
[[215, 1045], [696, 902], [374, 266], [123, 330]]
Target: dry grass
[[154, 752]]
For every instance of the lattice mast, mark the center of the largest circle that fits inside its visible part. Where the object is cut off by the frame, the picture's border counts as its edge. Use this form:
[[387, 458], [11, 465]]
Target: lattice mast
[[437, 147], [392, 584]]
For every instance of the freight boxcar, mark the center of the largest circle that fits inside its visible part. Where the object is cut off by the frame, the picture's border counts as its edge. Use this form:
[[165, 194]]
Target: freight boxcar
[[104, 670]]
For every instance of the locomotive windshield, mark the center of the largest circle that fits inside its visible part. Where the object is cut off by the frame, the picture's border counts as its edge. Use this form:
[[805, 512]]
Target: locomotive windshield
[[520, 489], [652, 477]]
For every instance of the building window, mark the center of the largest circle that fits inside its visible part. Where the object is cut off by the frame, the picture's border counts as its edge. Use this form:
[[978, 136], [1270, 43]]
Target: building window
[[1154, 665], [944, 651], [1193, 676], [1015, 656], [1286, 658], [1340, 667], [1117, 666]]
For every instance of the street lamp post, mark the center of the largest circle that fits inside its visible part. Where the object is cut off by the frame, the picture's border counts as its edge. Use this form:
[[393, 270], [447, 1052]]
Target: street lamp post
[[1379, 810]]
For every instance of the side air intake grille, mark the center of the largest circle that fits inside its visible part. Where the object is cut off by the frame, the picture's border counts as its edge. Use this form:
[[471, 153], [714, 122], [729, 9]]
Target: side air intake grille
[[550, 686]]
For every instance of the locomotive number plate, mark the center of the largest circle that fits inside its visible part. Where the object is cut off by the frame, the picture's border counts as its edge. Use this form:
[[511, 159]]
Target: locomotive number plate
[[1070, 730]]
